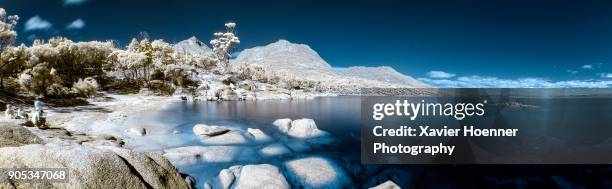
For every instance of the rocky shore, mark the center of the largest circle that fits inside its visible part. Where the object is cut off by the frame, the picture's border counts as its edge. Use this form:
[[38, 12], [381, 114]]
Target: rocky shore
[[93, 159], [110, 144], [90, 162]]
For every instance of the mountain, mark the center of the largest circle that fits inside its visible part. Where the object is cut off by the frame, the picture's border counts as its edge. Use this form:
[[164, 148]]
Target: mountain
[[299, 61], [192, 45], [286, 57], [382, 73]]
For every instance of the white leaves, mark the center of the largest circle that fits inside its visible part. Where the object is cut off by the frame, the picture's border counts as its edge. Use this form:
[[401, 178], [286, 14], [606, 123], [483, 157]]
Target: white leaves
[[7, 28], [39, 80], [223, 44], [86, 87], [25, 78], [230, 25], [129, 60]]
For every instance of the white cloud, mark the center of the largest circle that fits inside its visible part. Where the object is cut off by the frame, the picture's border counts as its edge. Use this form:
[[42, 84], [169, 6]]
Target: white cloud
[[73, 2], [573, 72], [439, 74], [76, 24], [606, 75], [37, 23], [494, 82], [587, 66], [32, 37]]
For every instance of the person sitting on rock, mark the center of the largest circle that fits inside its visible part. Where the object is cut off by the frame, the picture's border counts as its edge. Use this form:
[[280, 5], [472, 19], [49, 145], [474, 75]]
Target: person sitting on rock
[[38, 118], [38, 104], [9, 113]]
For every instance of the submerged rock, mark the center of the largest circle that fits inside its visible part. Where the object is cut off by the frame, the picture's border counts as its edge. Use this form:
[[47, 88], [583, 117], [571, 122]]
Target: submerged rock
[[398, 177], [229, 138], [261, 176], [191, 182], [272, 150], [209, 130], [305, 128], [210, 154], [226, 176], [283, 125], [251, 176], [207, 186], [298, 146], [89, 167], [316, 172], [259, 136], [387, 185]]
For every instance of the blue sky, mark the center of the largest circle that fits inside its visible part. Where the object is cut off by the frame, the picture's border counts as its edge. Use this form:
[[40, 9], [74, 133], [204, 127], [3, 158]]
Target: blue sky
[[445, 43]]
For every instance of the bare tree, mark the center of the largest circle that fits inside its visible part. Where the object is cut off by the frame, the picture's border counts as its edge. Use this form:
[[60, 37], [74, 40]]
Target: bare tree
[[223, 44]]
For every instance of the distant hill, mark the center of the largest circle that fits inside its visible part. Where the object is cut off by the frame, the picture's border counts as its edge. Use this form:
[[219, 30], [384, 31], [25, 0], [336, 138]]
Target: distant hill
[[382, 73], [302, 62], [192, 45]]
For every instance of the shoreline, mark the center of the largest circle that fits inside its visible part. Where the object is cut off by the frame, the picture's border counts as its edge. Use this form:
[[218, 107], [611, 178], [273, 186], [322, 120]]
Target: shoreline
[[111, 122]]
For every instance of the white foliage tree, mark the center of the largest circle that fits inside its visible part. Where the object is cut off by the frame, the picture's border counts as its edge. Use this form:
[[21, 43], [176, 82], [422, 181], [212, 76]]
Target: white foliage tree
[[72, 60], [7, 38], [223, 44], [7, 29], [130, 64]]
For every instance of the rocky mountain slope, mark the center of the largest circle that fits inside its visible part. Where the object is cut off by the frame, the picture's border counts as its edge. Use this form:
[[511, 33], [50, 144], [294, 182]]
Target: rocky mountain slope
[[299, 61], [283, 56], [192, 45], [382, 73]]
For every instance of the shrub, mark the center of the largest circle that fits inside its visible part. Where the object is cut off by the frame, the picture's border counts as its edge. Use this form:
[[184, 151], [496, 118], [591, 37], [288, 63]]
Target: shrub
[[179, 75], [72, 60], [39, 80], [85, 87], [161, 88], [12, 62], [196, 60], [256, 72], [58, 90]]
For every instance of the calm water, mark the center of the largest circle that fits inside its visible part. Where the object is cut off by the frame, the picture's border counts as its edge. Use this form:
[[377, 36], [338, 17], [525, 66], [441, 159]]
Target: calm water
[[341, 117], [338, 115]]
